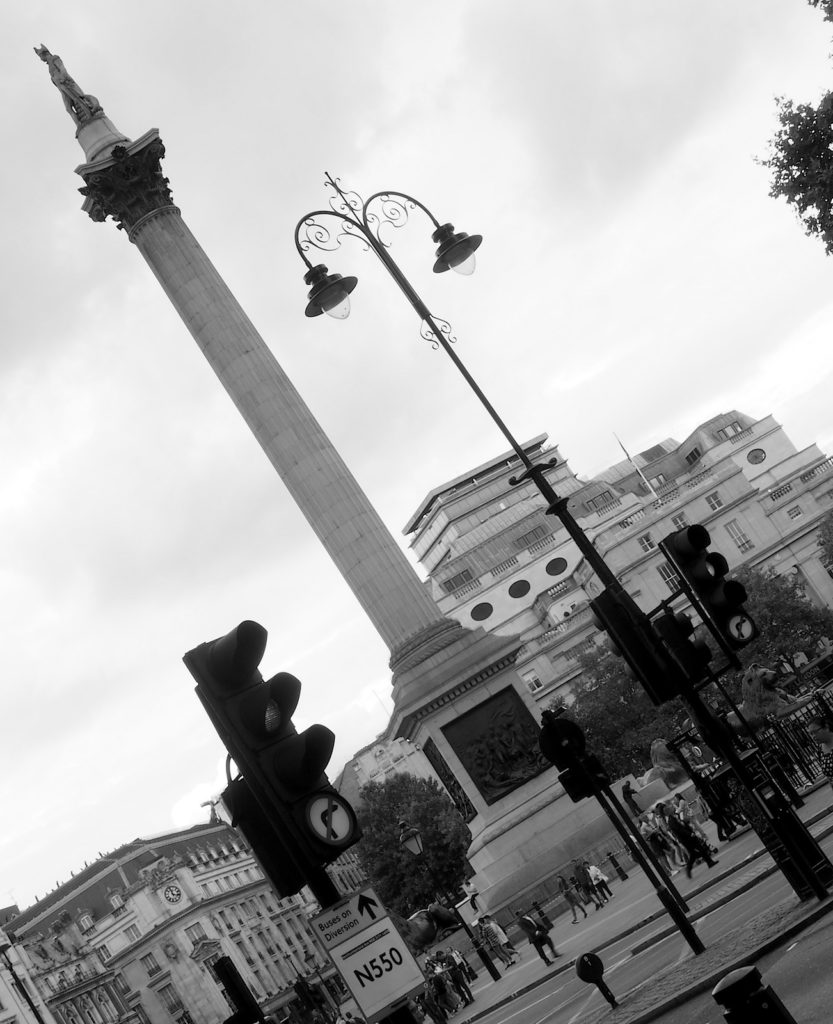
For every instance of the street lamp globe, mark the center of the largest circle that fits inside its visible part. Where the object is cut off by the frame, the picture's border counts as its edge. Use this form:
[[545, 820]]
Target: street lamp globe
[[455, 250], [330, 293], [410, 838]]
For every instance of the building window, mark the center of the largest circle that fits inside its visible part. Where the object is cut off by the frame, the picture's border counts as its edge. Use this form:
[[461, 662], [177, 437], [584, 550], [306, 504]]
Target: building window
[[132, 933], [532, 681], [730, 430], [658, 480], [170, 997], [795, 512], [150, 964], [669, 576], [714, 501], [455, 582], [195, 932], [538, 533], [600, 501], [104, 953], [646, 542], [693, 456], [679, 521], [85, 922], [116, 900], [740, 538], [481, 611]]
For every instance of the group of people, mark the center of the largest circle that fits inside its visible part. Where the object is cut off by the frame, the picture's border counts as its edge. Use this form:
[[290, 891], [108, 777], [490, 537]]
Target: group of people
[[587, 885], [446, 990], [675, 837], [495, 940]]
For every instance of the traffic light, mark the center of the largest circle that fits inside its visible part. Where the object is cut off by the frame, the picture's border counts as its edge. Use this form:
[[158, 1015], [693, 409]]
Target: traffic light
[[718, 600], [563, 744], [691, 655], [248, 1010], [283, 770], [278, 860], [635, 639]]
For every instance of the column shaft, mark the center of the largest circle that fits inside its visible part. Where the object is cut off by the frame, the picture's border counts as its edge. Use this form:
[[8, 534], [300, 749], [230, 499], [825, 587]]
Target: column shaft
[[363, 549]]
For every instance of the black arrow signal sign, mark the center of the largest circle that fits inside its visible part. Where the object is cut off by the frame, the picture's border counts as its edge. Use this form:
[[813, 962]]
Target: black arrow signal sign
[[366, 904]]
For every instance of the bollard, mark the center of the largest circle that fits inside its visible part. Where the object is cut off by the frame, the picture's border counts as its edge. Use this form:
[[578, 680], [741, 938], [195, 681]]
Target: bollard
[[617, 867], [590, 968], [545, 921], [746, 1001]]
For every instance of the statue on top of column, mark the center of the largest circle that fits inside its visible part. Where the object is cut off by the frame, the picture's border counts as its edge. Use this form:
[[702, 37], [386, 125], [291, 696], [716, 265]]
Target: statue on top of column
[[81, 106]]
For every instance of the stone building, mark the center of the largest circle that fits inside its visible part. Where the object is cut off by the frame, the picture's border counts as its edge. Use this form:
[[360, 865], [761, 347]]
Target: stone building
[[495, 559], [20, 1000], [132, 937]]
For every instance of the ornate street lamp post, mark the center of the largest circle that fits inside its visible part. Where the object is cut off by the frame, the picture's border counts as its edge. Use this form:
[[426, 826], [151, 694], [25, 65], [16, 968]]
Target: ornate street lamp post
[[410, 838], [330, 293]]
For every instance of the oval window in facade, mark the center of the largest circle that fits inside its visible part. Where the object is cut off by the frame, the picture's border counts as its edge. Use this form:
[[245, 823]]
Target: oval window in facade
[[520, 588], [756, 456], [555, 566], [481, 611]]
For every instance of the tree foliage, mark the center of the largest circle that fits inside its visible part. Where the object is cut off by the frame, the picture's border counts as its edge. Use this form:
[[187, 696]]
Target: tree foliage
[[801, 162], [403, 884], [788, 622], [618, 719], [825, 6]]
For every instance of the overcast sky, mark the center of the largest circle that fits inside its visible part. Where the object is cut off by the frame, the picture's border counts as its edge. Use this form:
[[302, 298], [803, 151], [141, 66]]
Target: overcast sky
[[634, 277]]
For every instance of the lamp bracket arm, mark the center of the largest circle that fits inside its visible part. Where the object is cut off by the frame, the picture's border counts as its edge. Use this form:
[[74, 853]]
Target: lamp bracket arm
[[312, 233], [395, 208]]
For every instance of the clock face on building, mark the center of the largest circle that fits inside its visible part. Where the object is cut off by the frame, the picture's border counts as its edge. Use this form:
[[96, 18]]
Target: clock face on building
[[756, 456], [172, 893]]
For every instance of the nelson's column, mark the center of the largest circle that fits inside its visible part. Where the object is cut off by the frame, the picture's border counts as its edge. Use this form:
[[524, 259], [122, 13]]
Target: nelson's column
[[455, 690]]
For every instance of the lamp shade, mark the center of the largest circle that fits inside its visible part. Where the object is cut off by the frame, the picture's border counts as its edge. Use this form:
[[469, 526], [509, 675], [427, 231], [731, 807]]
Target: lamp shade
[[330, 293]]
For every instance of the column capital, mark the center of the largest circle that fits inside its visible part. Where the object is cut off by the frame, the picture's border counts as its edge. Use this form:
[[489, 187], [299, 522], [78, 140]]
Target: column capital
[[128, 184]]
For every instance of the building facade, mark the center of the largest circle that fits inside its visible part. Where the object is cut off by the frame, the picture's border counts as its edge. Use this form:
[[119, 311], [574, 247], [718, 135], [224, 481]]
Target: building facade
[[133, 936], [20, 1000], [495, 559]]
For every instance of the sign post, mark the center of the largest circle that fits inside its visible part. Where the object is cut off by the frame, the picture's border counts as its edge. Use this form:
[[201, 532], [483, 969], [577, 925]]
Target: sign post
[[369, 953]]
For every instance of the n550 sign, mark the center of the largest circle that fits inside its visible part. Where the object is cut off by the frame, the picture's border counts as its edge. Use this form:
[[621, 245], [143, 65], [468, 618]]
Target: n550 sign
[[378, 965], [378, 968]]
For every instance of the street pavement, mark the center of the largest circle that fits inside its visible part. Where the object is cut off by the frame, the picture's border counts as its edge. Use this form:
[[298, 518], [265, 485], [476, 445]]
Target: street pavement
[[680, 994]]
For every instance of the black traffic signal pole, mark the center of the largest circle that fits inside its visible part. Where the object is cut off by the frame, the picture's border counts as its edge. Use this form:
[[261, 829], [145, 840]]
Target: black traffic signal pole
[[666, 892], [771, 815]]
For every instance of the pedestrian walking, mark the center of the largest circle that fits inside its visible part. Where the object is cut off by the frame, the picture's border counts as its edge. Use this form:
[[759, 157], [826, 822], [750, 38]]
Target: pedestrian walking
[[820, 732], [565, 890], [688, 815], [585, 884], [599, 880], [457, 977], [661, 815], [630, 800], [489, 938], [657, 843], [495, 929], [432, 1005], [458, 958], [693, 845], [538, 937]]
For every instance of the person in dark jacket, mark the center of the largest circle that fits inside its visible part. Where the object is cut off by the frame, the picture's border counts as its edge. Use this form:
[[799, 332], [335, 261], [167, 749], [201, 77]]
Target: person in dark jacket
[[537, 937], [695, 848], [458, 979]]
